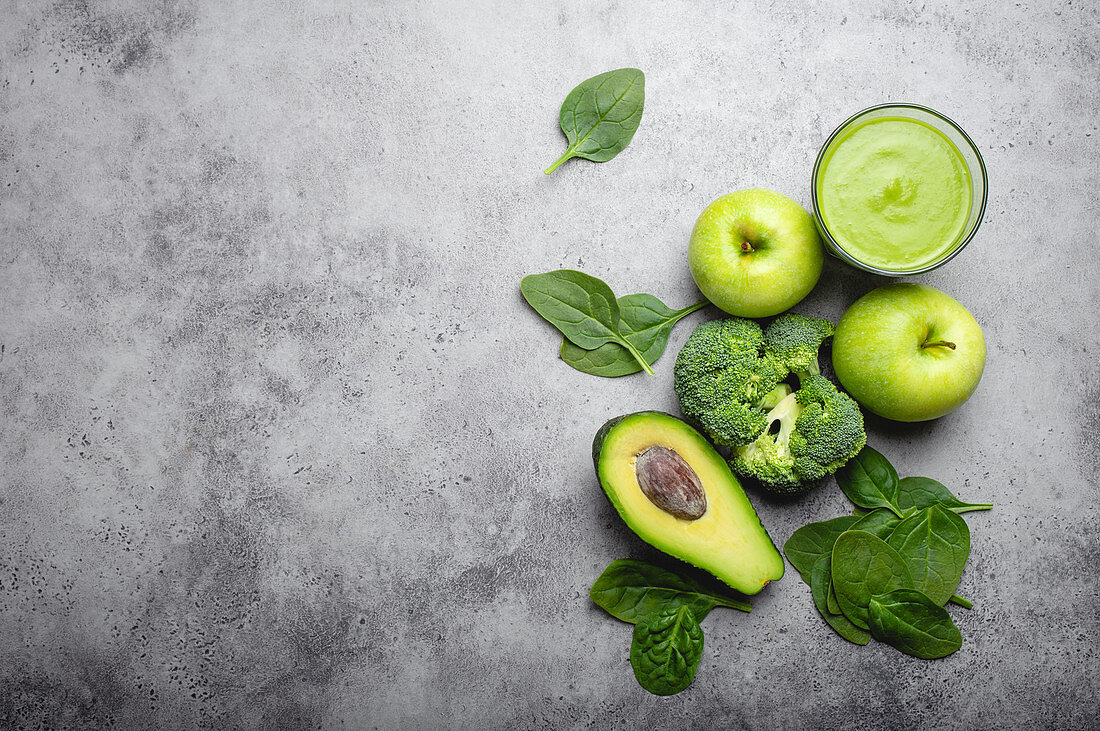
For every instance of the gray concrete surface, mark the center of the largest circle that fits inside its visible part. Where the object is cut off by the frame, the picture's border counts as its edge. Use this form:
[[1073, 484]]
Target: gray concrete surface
[[283, 447]]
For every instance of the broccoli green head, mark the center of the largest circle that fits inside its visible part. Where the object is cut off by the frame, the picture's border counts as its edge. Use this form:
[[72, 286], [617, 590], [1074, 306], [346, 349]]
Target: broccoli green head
[[731, 377], [795, 340], [724, 377], [810, 434]]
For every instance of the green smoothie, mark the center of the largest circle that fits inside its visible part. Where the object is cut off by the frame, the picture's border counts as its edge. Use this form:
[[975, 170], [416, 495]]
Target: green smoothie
[[894, 193]]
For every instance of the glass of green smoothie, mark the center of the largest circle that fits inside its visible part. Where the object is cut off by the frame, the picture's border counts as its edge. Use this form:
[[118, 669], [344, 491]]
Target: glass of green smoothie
[[898, 189]]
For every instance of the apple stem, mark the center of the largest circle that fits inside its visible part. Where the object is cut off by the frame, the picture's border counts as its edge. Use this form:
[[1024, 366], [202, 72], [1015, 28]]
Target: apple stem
[[938, 344], [746, 247]]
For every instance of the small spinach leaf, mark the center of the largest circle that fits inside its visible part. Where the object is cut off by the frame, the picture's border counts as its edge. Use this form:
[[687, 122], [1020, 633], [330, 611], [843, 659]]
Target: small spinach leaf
[[864, 566], [879, 522], [599, 117], [935, 544], [821, 586], [870, 481], [645, 322], [665, 650], [813, 540], [581, 306], [913, 623], [924, 492], [631, 590]]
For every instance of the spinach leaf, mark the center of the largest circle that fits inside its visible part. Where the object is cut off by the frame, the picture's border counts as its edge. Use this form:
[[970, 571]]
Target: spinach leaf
[[864, 566], [911, 622], [935, 544], [600, 116], [813, 540], [821, 586], [665, 650], [631, 590], [645, 322], [870, 481], [581, 306], [878, 522], [924, 492]]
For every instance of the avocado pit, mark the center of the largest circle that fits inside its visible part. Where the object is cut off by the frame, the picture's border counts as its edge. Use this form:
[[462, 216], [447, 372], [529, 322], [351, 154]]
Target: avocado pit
[[670, 483]]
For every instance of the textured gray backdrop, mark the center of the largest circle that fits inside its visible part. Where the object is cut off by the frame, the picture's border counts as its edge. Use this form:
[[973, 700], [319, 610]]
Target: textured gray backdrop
[[282, 446]]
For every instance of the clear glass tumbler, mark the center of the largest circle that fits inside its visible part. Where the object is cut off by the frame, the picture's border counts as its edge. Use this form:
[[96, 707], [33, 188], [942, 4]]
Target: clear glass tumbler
[[968, 151]]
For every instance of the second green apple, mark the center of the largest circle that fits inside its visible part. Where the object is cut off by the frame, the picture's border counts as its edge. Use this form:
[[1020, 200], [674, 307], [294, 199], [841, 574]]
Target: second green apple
[[909, 352], [755, 253]]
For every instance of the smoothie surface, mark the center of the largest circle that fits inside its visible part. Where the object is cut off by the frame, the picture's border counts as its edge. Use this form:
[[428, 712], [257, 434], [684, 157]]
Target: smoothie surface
[[894, 193]]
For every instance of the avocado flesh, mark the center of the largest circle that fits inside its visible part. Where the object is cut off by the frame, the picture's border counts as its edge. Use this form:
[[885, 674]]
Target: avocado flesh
[[728, 540]]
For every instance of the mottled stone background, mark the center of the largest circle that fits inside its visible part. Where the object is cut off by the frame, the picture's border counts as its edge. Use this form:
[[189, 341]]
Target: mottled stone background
[[282, 446]]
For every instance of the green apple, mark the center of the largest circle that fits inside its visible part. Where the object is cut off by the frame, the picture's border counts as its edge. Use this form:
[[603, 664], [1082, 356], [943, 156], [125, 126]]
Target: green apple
[[755, 253], [908, 352]]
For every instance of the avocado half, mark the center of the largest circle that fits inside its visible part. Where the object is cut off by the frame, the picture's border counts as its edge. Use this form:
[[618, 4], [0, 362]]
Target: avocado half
[[727, 539]]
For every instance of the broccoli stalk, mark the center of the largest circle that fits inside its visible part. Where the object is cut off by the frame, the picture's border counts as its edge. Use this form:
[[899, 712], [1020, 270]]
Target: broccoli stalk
[[773, 397], [786, 414]]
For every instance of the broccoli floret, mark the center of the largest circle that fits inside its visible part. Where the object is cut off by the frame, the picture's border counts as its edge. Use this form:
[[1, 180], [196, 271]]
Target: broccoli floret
[[810, 434], [769, 458], [725, 380], [829, 431], [795, 340]]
